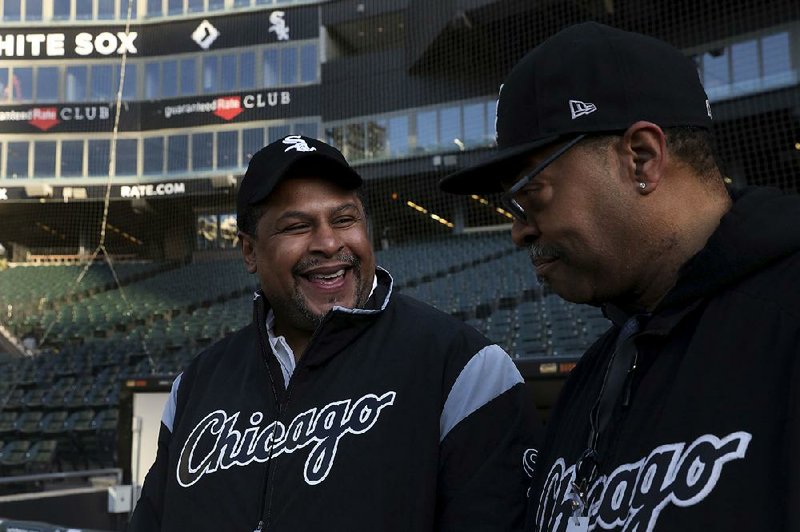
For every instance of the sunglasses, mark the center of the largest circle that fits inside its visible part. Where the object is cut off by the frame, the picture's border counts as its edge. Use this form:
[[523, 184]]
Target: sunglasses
[[507, 199]]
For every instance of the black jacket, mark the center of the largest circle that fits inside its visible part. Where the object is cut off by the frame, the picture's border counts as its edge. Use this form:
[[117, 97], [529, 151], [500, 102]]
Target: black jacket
[[397, 418], [703, 433]]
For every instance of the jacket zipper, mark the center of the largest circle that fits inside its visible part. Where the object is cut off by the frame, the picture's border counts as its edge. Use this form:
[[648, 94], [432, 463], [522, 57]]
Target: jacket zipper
[[626, 401], [266, 497], [261, 321]]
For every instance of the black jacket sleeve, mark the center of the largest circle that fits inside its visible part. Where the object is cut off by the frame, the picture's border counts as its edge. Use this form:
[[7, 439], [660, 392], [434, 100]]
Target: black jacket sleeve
[[486, 463]]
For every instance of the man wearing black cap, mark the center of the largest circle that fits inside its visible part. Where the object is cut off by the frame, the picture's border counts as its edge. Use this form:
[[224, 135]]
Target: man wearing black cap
[[343, 406], [685, 415]]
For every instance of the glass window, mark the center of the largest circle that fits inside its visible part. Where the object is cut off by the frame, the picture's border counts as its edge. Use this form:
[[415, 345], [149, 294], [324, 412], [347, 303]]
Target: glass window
[[123, 9], [44, 159], [247, 70], [207, 233], [175, 7], [252, 141], [241, 3], [98, 157], [474, 125], [127, 156], [102, 82], [210, 74], [259, 2], [744, 58], [491, 122], [129, 87], [715, 68], [153, 155], [61, 10], [33, 9], [83, 9], [289, 66], [270, 68], [354, 141], [188, 77], [23, 84], [177, 153], [76, 84], [5, 90], [426, 130], [228, 72], [17, 159], [11, 10], [775, 55], [308, 129], [105, 10], [335, 137], [169, 76], [227, 144], [450, 127], [376, 138], [227, 231], [71, 158], [154, 8], [152, 80], [398, 136], [195, 6], [214, 5], [278, 132], [47, 84], [308, 63], [202, 151]]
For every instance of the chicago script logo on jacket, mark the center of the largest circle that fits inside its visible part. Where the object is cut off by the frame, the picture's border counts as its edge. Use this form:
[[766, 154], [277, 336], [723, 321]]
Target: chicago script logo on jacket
[[320, 428], [632, 496]]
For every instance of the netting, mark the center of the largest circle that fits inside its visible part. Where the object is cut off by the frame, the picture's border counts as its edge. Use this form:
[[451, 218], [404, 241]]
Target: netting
[[125, 127]]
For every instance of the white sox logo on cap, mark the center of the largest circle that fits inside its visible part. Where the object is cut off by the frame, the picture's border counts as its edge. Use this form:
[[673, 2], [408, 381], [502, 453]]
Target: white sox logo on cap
[[297, 144]]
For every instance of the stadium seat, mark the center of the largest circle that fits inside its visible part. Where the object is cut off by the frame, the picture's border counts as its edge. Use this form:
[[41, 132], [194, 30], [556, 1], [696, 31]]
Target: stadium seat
[[8, 423], [41, 457], [13, 456], [28, 423]]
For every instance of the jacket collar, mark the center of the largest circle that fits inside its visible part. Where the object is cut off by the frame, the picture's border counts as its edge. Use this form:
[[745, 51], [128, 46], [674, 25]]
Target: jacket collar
[[340, 327]]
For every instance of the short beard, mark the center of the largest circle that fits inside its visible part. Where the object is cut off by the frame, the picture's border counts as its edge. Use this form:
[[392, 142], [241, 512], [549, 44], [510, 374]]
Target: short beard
[[301, 314], [536, 251]]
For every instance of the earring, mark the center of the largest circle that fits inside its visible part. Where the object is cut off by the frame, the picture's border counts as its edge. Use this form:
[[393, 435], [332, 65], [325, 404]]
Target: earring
[[642, 185]]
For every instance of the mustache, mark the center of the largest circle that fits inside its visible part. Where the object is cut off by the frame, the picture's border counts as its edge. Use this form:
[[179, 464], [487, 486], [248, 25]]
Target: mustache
[[312, 262], [538, 251]]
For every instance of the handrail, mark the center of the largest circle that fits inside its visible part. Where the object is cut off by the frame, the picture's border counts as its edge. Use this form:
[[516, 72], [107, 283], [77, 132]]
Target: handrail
[[115, 471]]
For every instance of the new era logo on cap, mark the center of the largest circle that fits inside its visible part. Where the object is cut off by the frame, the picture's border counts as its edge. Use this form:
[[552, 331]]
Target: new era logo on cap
[[296, 143], [579, 108]]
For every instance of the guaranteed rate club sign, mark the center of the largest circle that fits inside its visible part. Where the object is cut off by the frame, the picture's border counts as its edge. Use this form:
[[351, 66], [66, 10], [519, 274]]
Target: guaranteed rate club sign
[[71, 45]]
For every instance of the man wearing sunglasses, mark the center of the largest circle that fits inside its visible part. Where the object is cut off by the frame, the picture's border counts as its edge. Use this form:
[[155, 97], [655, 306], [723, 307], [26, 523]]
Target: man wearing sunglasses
[[685, 414]]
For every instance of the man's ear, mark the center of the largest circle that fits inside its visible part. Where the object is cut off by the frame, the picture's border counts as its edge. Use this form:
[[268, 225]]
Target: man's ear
[[248, 251], [644, 154]]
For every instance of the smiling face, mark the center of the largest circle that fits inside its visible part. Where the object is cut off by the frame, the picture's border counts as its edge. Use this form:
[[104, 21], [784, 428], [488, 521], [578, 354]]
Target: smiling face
[[311, 253]]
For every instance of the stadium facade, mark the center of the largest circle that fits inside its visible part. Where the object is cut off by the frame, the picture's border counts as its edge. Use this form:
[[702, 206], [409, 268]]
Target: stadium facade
[[406, 89]]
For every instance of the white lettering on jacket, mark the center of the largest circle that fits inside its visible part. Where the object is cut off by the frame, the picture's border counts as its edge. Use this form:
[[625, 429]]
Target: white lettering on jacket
[[322, 428], [633, 495]]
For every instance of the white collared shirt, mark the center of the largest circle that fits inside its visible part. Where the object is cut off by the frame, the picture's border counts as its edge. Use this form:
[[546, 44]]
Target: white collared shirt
[[280, 347]]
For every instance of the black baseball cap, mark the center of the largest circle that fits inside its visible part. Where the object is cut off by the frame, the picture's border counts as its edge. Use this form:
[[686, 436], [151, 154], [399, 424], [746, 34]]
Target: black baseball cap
[[279, 159], [587, 78]]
